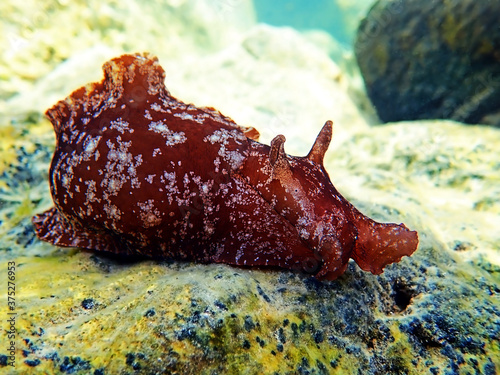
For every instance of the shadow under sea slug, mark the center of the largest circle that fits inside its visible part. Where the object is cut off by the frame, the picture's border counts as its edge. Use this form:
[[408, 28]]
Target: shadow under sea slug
[[136, 171]]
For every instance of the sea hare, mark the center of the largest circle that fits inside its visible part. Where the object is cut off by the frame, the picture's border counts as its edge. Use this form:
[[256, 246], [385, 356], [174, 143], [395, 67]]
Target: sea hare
[[136, 171]]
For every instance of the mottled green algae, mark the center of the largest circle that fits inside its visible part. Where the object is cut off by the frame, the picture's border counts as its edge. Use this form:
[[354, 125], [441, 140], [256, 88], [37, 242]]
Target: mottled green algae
[[80, 312], [26, 147], [155, 316], [170, 323]]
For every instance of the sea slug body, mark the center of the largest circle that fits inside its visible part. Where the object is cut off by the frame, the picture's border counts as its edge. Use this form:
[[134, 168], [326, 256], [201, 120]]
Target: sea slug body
[[136, 171]]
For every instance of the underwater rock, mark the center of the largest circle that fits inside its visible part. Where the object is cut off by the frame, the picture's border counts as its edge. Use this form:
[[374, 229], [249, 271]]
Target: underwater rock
[[436, 312], [38, 36], [424, 59]]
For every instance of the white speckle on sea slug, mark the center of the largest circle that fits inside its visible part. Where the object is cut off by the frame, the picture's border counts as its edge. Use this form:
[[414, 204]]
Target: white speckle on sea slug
[[120, 125], [90, 144], [172, 138], [90, 194], [205, 188], [184, 116], [112, 211], [119, 162], [150, 215], [200, 119], [234, 158], [156, 107], [66, 181]]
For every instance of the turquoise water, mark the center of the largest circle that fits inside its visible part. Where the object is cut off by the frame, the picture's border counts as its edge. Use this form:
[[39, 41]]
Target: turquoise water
[[307, 15]]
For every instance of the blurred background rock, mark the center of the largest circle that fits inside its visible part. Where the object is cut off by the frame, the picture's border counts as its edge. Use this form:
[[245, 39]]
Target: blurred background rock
[[426, 59]]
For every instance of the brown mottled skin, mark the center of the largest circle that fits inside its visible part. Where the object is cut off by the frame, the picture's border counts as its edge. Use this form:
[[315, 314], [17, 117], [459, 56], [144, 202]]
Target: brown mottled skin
[[136, 171]]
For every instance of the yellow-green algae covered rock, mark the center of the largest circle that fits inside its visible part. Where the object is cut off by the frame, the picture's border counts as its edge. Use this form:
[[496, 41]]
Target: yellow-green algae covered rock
[[83, 312], [79, 312]]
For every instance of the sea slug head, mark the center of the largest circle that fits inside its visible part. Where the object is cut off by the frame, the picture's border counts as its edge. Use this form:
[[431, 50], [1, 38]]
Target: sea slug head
[[327, 223]]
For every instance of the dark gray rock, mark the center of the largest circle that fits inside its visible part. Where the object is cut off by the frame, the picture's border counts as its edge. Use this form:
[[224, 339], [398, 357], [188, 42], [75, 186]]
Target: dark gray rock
[[424, 59]]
